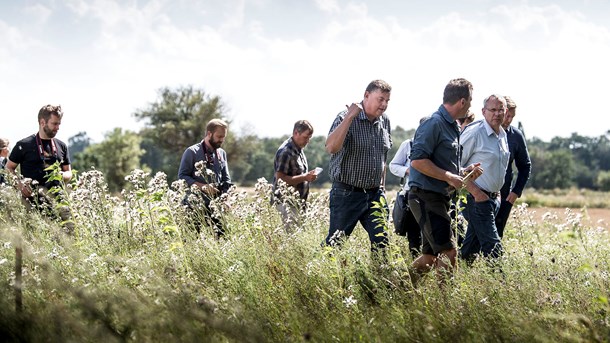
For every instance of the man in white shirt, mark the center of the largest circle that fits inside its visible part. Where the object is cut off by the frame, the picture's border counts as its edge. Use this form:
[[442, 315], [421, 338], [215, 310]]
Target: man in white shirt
[[485, 142]]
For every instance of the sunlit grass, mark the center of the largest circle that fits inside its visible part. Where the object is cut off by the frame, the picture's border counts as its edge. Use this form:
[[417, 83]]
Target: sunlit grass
[[136, 270], [563, 198]]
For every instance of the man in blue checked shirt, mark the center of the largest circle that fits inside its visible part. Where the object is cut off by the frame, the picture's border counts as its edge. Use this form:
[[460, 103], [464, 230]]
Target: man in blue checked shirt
[[358, 141]]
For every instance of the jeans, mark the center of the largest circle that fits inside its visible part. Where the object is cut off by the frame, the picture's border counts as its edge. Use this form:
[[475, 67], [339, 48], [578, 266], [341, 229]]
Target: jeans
[[481, 235], [347, 208], [503, 214]]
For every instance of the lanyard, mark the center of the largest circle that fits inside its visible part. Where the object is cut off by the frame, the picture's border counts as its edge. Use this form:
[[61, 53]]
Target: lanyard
[[205, 152], [41, 148]]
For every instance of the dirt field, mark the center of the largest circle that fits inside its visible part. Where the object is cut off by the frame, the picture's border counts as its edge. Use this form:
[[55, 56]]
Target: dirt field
[[593, 216]]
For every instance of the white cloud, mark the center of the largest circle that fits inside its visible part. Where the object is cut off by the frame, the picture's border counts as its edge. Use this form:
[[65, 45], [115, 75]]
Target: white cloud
[[551, 61], [329, 6], [38, 13]]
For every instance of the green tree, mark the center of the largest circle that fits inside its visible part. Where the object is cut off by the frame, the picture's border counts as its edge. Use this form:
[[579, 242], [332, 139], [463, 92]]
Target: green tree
[[78, 143], [603, 180], [554, 169], [174, 122], [116, 157]]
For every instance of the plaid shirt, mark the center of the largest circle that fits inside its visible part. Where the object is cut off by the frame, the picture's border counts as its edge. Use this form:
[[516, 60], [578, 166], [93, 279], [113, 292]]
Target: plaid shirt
[[291, 160], [361, 160]]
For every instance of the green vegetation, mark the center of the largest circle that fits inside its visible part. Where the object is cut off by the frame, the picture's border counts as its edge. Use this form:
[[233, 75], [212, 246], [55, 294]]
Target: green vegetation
[[566, 198], [135, 271]]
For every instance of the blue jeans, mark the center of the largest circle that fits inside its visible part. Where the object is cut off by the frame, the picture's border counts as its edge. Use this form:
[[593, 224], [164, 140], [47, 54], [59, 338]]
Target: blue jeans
[[347, 208], [482, 234]]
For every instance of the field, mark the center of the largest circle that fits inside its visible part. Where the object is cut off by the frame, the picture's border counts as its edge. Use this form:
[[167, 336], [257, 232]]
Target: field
[[134, 270]]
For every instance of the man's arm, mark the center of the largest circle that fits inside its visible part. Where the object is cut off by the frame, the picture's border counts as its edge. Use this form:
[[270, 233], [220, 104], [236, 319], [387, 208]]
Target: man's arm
[[523, 164], [398, 165], [66, 172], [21, 186], [335, 139], [427, 167], [297, 179]]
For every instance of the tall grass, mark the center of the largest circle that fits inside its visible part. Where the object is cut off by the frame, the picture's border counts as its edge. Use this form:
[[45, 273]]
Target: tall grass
[[136, 270]]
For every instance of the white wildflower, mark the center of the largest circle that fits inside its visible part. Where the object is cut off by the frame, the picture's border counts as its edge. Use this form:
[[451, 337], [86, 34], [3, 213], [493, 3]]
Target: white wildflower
[[350, 301]]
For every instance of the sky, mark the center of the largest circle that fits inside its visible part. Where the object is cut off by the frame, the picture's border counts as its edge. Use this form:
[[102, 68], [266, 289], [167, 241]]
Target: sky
[[273, 62]]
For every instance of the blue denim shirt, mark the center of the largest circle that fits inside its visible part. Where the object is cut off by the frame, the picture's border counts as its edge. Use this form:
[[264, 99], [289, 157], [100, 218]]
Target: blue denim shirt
[[436, 139]]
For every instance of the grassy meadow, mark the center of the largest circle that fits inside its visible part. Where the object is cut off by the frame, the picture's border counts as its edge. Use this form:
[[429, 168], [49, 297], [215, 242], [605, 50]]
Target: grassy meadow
[[135, 270]]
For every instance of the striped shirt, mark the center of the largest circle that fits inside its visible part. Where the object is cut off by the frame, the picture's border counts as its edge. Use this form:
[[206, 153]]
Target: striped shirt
[[361, 160]]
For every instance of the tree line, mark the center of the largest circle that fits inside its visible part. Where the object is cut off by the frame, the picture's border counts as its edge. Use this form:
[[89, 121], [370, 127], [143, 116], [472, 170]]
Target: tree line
[[177, 119]]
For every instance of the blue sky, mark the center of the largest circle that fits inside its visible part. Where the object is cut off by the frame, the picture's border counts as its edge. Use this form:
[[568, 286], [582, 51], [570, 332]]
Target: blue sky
[[274, 62]]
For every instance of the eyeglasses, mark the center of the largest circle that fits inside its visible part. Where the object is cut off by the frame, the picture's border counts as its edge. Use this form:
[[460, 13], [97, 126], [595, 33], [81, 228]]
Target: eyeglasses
[[498, 110]]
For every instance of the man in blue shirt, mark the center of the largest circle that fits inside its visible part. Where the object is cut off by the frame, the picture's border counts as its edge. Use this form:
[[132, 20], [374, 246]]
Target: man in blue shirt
[[484, 141], [521, 157], [359, 141], [204, 168], [435, 175]]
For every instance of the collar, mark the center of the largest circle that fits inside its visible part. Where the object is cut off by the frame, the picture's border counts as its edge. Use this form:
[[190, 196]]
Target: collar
[[490, 131], [445, 114]]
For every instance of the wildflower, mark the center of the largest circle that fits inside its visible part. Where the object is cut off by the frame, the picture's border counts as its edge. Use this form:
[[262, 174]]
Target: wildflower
[[349, 301]]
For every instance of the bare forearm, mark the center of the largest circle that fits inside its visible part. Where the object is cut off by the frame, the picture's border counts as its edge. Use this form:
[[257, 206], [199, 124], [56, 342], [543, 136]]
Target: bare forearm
[[335, 139]]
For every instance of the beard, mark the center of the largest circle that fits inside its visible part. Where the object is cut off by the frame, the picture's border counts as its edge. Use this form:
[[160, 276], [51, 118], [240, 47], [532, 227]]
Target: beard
[[50, 133], [215, 144]]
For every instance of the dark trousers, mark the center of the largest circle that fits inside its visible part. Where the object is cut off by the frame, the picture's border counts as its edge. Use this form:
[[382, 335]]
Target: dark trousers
[[408, 226], [200, 214], [481, 235], [347, 208], [503, 214]]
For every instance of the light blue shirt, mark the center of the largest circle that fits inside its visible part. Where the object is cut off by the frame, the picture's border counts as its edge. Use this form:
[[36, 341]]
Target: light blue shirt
[[481, 144], [401, 163]]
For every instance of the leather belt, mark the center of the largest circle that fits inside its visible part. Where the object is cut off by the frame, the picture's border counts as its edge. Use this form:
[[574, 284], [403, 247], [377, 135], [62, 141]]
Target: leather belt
[[345, 186], [416, 189], [491, 195]]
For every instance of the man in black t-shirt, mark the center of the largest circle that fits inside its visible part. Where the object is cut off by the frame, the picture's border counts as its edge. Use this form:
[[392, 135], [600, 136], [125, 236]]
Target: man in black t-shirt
[[37, 152]]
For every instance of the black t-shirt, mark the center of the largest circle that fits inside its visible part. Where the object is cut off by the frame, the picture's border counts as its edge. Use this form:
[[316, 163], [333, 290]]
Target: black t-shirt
[[26, 153]]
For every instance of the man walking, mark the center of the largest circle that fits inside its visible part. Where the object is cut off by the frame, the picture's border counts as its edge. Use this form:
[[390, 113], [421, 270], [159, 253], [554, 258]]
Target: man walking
[[484, 142], [359, 141]]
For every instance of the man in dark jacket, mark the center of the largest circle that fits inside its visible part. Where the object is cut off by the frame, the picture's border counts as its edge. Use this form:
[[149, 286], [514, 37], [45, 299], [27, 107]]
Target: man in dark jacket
[[521, 157]]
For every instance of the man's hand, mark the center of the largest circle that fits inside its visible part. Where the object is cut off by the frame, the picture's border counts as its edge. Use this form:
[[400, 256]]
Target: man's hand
[[25, 189], [472, 172], [453, 180], [353, 110], [209, 189], [311, 176], [512, 197]]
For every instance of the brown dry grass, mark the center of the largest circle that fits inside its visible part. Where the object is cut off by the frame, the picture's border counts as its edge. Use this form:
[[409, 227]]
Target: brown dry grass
[[594, 217]]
